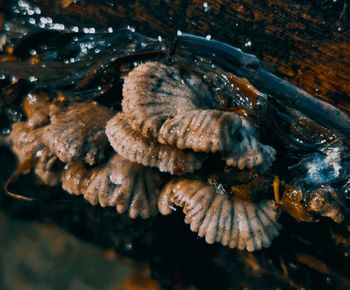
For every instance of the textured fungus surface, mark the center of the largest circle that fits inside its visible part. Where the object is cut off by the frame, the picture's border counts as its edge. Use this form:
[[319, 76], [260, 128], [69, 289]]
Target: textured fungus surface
[[27, 143], [219, 218], [31, 152], [176, 107], [154, 92], [77, 131], [147, 151], [128, 186], [202, 131]]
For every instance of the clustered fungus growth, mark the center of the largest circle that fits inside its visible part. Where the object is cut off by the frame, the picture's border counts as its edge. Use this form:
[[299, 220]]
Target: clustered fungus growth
[[169, 130]]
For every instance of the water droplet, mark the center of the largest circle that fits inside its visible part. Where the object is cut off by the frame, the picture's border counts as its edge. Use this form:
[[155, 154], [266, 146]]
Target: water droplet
[[33, 79], [128, 246], [131, 28], [5, 131], [208, 37], [159, 38], [248, 43], [179, 32], [110, 29], [37, 10], [206, 7]]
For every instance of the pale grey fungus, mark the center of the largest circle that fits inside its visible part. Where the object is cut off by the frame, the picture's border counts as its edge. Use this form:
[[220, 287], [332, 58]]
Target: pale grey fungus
[[128, 186], [137, 148], [175, 107], [201, 130], [154, 92], [221, 218]]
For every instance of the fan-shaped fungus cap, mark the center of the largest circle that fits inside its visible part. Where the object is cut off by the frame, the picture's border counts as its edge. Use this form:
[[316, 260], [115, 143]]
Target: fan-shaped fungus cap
[[217, 131], [154, 92], [77, 132], [232, 222], [201, 130], [133, 146], [120, 183], [177, 108]]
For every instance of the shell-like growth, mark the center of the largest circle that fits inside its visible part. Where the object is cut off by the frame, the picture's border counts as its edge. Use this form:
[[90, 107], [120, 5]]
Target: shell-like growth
[[175, 107], [133, 146], [217, 217], [154, 92], [120, 183], [77, 132], [217, 131], [201, 130], [31, 152]]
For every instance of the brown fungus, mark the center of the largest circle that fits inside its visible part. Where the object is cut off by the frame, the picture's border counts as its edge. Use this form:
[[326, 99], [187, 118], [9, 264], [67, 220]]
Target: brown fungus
[[176, 108], [77, 131], [220, 218], [35, 107], [27, 142], [32, 153], [127, 186], [133, 146]]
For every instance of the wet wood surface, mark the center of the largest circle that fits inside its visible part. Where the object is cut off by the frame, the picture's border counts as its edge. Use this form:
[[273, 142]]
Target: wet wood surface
[[306, 42]]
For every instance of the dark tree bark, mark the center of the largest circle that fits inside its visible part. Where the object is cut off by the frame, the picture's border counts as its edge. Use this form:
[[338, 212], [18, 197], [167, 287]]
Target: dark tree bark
[[303, 41]]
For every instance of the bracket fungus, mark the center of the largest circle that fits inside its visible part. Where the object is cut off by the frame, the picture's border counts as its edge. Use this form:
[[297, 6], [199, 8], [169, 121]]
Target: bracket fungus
[[175, 107], [148, 152], [77, 131], [120, 183], [215, 215]]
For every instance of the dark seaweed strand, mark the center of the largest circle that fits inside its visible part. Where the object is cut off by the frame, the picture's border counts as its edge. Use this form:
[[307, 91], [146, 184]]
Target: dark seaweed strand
[[248, 66], [220, 48]]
